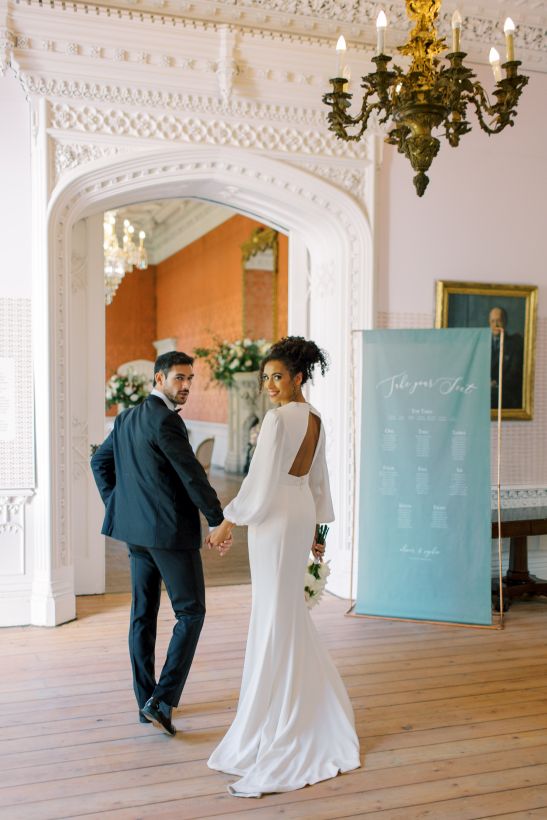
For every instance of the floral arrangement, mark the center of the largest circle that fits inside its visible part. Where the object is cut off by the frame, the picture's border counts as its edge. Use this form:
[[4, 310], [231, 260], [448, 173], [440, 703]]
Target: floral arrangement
[[226, 358], [317, 572], [127, 390]]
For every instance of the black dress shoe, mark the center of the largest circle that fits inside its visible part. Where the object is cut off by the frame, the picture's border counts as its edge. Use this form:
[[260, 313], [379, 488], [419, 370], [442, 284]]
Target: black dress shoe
[[144, 719], [159, 713]]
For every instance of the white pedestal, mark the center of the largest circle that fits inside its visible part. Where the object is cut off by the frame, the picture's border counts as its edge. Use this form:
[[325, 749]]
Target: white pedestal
[[245, 406]]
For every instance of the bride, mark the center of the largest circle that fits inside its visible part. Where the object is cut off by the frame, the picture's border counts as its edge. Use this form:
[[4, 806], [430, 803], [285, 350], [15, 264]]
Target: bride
[[294, 724]]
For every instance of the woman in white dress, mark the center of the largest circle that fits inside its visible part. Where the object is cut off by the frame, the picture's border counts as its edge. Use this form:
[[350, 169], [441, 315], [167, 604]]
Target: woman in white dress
[[294, 724]]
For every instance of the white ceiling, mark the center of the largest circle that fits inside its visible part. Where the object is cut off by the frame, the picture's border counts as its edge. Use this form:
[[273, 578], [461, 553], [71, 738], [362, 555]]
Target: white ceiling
[[171, 224]]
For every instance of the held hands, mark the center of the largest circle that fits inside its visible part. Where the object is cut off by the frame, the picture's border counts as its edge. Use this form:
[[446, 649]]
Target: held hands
[[221, 538]]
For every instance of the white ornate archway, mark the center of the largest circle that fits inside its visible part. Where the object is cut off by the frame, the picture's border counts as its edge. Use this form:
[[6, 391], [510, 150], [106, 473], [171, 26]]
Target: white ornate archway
[[326, 221]]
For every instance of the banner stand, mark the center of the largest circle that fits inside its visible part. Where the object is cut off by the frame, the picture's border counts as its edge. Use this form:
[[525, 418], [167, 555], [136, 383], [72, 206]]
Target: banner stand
[[497, 617]]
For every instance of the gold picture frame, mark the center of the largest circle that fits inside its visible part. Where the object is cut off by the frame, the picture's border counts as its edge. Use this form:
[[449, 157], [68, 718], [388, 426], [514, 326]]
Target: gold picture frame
[[474, 304]]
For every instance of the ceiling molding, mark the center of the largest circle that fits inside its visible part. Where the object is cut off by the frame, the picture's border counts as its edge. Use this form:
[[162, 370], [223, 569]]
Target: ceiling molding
[[306, 22], [172, 224]]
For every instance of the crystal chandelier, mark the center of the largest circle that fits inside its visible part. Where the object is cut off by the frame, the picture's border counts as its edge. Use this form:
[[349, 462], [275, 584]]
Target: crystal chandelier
[[428, 95], [120, 260]]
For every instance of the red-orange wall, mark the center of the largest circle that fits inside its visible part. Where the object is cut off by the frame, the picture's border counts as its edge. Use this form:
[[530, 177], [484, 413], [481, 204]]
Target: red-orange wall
[[199, 295], [131, 321], [193, 295]]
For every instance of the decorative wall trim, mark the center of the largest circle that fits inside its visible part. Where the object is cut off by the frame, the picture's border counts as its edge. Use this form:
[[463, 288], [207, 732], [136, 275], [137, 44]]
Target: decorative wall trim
[[244, 109], [80, 448], [7, 44], [17, 451], [348, 177], [12, 532], [512, 497], [308, 22], [200, 131], [71, 155]]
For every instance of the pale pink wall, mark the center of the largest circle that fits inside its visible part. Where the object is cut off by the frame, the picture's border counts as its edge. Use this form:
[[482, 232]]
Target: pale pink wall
[[15, 177], [483, 218]]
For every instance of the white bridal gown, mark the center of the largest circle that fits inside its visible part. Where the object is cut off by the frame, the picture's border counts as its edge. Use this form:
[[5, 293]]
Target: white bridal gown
[[294, 723]]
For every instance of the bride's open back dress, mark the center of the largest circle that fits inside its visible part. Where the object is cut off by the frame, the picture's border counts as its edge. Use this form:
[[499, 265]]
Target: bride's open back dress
[[294, 724]]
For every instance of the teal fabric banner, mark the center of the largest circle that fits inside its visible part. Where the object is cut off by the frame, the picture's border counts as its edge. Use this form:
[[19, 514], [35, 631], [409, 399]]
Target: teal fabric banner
[[425, 527]]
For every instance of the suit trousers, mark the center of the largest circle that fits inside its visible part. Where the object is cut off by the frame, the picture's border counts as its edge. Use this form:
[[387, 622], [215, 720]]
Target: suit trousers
[[182, 573]]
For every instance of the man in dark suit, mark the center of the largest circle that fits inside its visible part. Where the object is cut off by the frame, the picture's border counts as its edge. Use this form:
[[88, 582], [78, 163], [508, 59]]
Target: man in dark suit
[[153, 488]]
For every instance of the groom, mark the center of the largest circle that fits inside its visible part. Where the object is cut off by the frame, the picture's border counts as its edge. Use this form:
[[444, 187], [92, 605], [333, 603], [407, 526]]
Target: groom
[[153, 487]]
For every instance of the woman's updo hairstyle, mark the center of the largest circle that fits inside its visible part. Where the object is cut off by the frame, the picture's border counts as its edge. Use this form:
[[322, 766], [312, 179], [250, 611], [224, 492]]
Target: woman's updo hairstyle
[[299, 355]]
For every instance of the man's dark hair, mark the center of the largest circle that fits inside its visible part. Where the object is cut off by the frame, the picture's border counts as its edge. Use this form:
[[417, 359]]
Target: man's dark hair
[[166, 361]]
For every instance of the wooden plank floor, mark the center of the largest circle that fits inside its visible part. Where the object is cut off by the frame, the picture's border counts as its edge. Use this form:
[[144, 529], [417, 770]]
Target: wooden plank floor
[[452, 721]]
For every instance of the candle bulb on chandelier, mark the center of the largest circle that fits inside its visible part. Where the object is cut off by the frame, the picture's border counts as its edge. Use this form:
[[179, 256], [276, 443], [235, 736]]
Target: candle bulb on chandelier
[[456, 30], [495, 62], [509, 30], [340, 50], [346, 74], [381, 25]]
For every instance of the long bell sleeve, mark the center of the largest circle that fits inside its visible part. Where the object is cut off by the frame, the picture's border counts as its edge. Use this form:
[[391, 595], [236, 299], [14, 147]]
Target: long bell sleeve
[[320, 486], [252, 503]]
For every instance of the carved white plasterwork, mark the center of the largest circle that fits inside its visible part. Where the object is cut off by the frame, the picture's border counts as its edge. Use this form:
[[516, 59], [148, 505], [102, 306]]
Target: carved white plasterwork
[[80, 448], [78, 273], [12, 532], [314, 21], [17, 454], [241, 109], [350, 178], [227, 68], [200, 131], [71, 155], [7, 44]]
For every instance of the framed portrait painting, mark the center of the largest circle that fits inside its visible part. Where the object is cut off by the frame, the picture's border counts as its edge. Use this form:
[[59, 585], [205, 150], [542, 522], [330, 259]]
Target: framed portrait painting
[[511, 307]]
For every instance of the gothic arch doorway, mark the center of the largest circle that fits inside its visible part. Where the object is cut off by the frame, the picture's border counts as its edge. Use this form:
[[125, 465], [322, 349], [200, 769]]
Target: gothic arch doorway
[[330, 293]]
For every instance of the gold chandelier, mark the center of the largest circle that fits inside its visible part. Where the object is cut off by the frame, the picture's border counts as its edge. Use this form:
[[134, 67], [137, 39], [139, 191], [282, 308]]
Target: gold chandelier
[[428, 96], [120, 260]]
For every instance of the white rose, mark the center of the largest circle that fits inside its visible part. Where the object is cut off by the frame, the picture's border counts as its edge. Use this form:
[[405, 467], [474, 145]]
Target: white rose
[[313, 584], [248, 362], [134, 396], [128, 391]]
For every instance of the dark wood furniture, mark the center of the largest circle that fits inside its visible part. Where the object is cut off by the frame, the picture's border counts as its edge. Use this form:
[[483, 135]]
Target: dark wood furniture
[[517, 524]]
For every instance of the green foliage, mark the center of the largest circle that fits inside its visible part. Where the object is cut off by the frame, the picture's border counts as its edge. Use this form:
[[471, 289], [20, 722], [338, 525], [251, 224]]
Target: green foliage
[[128, 390], [226, 358]]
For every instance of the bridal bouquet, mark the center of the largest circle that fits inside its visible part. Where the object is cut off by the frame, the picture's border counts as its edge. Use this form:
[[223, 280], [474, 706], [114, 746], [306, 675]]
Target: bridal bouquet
[[317, 573]]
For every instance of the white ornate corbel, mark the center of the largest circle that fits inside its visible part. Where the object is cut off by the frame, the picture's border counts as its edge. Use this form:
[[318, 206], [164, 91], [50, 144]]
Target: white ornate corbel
[[226, 68]]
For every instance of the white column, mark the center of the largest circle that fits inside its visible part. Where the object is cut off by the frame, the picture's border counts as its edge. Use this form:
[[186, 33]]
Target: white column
[[52, 600]]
